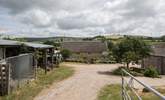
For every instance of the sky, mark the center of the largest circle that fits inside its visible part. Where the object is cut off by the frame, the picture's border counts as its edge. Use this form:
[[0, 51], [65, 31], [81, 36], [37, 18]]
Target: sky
[[82, 18]]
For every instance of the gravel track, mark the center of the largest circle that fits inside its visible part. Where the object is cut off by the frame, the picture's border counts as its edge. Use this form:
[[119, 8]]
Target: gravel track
[[86, 83]]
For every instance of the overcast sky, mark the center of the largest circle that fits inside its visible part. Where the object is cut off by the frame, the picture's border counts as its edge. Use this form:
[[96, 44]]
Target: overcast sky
[[82, 17]]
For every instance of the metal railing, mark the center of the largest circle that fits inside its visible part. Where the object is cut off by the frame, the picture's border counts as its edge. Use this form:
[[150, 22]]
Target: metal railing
[[129, 83]]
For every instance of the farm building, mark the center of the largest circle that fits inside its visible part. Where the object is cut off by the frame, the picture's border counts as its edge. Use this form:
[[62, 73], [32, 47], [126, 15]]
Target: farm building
[[6, 46], [85, 47], [157, 58], [85, 50], [19, 60], [13, 65], [44, 54]]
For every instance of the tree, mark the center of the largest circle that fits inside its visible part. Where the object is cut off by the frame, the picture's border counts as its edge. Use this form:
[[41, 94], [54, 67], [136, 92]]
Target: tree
[[131, 49], [163, 38], [99, 37], [15, 39], [65, 53], [110, 45], [49, 42], [128, 57]]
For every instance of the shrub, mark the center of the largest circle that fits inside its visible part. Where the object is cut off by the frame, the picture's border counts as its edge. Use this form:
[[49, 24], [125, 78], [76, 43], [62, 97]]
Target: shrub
[[138, 70], [118, 71], [151, 72], [65, 53], [145, 90]]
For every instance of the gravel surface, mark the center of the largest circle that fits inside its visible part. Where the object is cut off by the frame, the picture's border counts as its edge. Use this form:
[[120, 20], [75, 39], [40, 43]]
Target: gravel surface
[[87, 81]]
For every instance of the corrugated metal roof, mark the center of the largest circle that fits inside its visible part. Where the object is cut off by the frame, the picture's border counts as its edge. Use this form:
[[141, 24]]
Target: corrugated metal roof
[[29, 44], [37, 45], [9, 43]]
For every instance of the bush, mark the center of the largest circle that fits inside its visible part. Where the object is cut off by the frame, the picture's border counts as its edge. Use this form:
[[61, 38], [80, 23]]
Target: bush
[[151, 72], [118, 71], [66, 53], [138, 70], [145, 90]]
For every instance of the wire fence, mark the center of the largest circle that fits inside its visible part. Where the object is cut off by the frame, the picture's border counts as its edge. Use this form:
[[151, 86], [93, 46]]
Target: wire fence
[[129, 85]]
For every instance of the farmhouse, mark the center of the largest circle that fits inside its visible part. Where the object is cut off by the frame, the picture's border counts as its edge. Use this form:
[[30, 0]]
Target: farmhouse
[[157, 58], [85, 50]]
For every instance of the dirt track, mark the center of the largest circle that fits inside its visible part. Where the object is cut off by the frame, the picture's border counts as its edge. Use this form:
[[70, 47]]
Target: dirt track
[[86, 82]]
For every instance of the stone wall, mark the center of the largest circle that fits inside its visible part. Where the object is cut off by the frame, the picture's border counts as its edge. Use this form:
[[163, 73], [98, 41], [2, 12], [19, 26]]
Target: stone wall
[[155, 61]]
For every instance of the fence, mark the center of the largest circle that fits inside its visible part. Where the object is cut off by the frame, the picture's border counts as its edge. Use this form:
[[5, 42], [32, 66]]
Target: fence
[[130, 84], [19, 69]]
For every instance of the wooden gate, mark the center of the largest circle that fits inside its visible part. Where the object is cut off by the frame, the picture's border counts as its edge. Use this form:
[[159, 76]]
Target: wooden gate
[[4, 79]]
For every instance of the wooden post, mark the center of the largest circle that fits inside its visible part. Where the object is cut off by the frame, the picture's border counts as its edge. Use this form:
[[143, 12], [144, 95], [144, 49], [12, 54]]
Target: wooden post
[[4, 53], [8, 78], [142, 63], [36, 63], [52, 58], [162, 65], [45, 59]]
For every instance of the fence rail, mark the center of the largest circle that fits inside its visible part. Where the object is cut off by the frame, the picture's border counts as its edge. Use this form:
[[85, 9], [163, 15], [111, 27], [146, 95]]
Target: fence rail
[[130, 84]]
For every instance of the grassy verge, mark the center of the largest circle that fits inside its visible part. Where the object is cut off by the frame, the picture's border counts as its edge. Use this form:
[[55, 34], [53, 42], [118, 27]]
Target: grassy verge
[[110, 92], [30, 90], [113, 92]]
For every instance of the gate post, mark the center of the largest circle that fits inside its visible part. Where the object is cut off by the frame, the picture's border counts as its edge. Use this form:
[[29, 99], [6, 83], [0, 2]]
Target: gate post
[[122, 77]]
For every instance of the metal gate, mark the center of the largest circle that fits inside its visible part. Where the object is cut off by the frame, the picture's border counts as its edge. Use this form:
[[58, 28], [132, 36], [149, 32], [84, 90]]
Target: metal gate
[[129, 85]]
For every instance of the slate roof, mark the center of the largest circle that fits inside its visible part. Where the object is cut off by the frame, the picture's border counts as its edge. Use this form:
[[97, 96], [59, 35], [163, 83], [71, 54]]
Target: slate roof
[[85, 46]]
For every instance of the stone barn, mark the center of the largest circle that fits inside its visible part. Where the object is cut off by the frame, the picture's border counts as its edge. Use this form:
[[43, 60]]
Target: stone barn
[[85, 47], [85, 50], [157, 58]]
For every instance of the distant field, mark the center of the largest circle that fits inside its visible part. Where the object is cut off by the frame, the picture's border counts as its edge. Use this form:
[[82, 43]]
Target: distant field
[[152, 43]]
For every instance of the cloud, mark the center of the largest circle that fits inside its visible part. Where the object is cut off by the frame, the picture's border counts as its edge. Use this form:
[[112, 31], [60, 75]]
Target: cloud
[[36, 17], [142, 9], [86, 18]]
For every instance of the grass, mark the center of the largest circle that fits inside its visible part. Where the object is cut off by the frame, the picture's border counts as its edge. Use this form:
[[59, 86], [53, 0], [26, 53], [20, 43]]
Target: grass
[[110, 92], [30, 90], [113, 92]]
